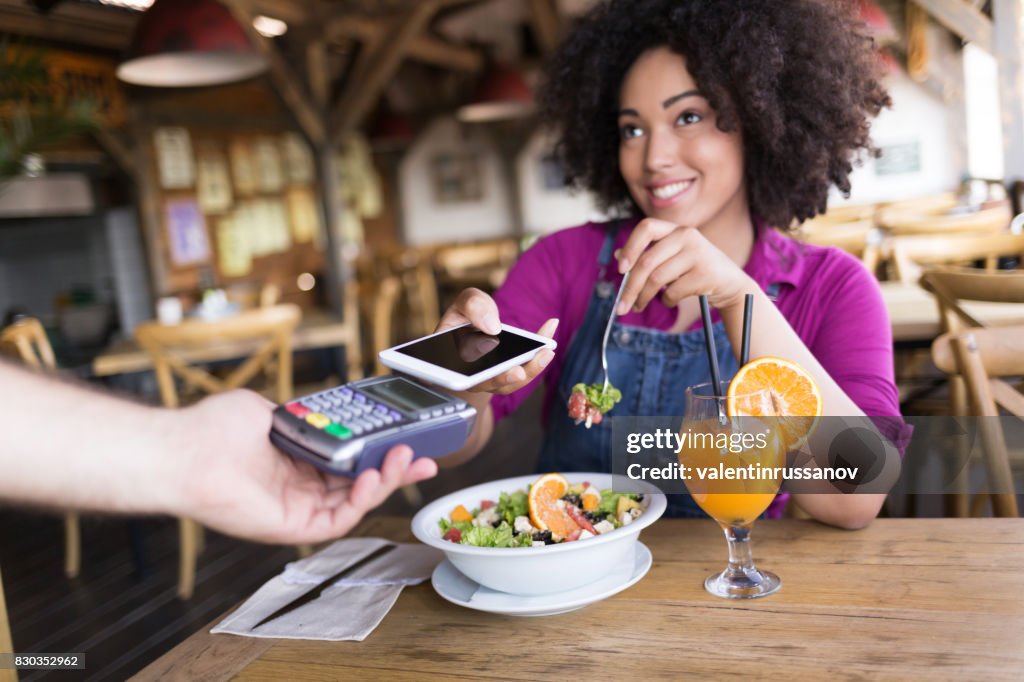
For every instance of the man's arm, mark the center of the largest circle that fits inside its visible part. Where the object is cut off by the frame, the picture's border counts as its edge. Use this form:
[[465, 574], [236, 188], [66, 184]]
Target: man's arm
[[64, 445], [67, 446]]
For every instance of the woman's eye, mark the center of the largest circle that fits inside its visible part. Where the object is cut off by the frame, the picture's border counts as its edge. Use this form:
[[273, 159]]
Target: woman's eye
[[688, 118], [630, 131]]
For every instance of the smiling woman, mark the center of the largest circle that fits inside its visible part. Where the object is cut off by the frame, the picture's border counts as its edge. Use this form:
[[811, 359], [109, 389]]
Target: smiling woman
[[703, 126]]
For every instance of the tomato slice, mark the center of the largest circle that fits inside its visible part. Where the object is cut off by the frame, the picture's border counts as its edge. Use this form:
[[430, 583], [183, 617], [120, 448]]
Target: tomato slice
[[580, 520]]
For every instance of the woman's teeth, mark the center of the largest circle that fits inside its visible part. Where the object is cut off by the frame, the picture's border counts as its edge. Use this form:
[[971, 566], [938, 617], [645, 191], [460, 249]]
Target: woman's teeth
[[669, 191]]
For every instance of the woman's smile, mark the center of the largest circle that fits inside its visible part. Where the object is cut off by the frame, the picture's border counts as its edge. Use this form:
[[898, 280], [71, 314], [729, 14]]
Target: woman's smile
[[666, 193]]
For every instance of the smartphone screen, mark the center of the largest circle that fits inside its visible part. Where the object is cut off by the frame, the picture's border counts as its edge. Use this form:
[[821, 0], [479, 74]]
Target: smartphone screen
[[468, 350]]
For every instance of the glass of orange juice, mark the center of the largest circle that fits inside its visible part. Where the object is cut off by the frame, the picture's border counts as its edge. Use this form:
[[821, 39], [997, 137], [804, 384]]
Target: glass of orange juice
[[732, 467]]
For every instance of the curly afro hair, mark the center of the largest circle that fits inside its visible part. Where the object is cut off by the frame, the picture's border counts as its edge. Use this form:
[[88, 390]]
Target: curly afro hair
[[798, 78]]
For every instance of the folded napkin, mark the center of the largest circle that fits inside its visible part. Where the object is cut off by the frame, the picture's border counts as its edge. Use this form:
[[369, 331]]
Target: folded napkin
[[348, 610]]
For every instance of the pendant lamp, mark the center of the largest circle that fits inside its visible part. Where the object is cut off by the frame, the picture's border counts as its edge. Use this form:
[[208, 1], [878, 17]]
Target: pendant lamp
[[189, 43], [501, 94]]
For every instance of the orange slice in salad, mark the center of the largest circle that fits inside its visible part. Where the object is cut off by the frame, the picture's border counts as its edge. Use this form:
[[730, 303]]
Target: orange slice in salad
[[545, 511], [789, 394]]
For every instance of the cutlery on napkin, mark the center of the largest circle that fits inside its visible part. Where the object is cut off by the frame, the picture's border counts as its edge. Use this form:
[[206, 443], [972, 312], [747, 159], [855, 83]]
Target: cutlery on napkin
[[346, 608]]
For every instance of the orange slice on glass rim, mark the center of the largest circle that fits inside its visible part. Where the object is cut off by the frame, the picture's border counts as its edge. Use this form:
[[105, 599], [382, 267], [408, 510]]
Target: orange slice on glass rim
[[793, 399], [546, 512]]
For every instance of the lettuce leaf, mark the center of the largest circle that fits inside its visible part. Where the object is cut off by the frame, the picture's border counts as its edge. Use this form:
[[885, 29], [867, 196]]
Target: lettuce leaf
[[604, 401], [446, 525], [512, 505], [610, 500], [502, 536]]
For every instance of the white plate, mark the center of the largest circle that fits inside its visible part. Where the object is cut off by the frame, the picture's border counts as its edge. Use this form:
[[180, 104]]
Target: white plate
[[458, 589]]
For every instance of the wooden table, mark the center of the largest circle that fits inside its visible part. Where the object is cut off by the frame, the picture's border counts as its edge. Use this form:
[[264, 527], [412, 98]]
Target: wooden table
[[903, 599], [914, 312], [318, 329]]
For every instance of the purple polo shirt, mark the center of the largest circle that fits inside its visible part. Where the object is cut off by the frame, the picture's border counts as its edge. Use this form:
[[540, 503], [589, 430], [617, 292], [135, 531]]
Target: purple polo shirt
[[832, 302]]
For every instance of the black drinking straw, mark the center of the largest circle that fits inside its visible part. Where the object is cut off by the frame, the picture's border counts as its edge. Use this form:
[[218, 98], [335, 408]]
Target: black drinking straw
[[709, 344], [748, 310]]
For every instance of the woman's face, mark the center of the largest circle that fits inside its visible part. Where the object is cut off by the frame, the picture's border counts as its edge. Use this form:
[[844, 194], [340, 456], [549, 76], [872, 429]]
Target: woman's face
[[678, 165]]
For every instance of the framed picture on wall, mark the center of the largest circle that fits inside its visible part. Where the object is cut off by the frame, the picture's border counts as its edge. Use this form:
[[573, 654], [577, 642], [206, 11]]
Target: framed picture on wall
[[457, 178]]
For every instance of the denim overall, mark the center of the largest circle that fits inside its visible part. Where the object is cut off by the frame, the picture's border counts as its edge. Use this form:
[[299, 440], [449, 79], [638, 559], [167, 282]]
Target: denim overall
[[651, 368]]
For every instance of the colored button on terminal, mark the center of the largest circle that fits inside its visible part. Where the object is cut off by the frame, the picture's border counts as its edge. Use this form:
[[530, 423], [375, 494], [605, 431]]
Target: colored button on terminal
[[339, 431], [298, 409], [318, 420]]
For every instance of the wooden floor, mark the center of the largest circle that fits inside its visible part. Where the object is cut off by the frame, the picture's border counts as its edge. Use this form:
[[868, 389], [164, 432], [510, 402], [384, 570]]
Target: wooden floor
[[121, 618]]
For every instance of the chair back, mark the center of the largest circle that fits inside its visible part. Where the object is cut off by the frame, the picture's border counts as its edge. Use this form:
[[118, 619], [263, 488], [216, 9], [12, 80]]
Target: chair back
[[985, 221], [485, 262], [6, 644], [984, 357], [263, 335], [953, 285], [28, 340], [910, 209], [911, 254], [860, 238]]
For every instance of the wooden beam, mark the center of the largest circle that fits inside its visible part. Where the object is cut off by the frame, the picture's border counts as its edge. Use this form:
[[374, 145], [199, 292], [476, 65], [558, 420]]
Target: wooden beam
[[99, 27], [963, 19], [286, 82], [116, 148], [318, 73], [547, 25], [363, 89], [421, 48], [295, 13]]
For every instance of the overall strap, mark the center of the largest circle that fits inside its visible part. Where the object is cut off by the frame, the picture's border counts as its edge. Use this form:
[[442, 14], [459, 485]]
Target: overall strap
[[608, 247]]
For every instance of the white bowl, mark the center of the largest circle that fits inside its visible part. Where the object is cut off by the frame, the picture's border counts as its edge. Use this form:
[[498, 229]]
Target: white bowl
[[537, 570]]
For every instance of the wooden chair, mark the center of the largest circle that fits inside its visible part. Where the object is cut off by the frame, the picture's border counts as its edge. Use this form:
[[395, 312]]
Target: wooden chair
[[382, 316], [268, 330], [480, 264], [860, 238], [6, 643], [952, 287], [983, 357], [989, 220], [848, 213], [896, 212], [910, 254], [29, 342]]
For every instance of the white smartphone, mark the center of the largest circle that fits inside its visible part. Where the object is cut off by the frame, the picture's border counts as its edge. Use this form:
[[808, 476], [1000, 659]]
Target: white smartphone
[[463, 356]]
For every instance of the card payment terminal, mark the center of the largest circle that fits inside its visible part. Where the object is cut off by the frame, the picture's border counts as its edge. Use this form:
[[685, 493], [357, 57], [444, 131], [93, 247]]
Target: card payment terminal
[[350, 428]]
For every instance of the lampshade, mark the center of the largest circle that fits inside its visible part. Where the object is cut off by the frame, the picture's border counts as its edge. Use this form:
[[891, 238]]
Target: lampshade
[[501, 94], [877, 21], [185, 43]]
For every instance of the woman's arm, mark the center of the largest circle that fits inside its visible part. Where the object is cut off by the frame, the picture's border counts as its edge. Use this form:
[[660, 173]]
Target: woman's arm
[[775, 337], [682, 263]]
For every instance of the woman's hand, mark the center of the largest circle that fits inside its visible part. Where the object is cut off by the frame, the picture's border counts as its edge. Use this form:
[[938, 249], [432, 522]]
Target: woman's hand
[[480, 310], [680, 263]]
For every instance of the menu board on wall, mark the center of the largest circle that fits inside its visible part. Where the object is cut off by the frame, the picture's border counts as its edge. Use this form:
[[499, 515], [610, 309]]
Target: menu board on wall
[[243, 202], [234, 256], [186, 232], [243, 167], [303, 214], [298, 159], [213, 184], [269, 169], [174, 157]]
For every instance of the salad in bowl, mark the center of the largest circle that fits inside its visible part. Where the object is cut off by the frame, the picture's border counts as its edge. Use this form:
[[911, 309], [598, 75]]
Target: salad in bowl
[[539, 535]]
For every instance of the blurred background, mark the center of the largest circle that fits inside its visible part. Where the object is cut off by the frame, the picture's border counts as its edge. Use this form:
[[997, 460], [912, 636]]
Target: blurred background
[[198, 164]]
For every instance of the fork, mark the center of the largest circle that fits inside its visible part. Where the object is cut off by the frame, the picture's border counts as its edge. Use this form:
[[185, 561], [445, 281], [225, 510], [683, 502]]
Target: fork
[[608, 331]]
